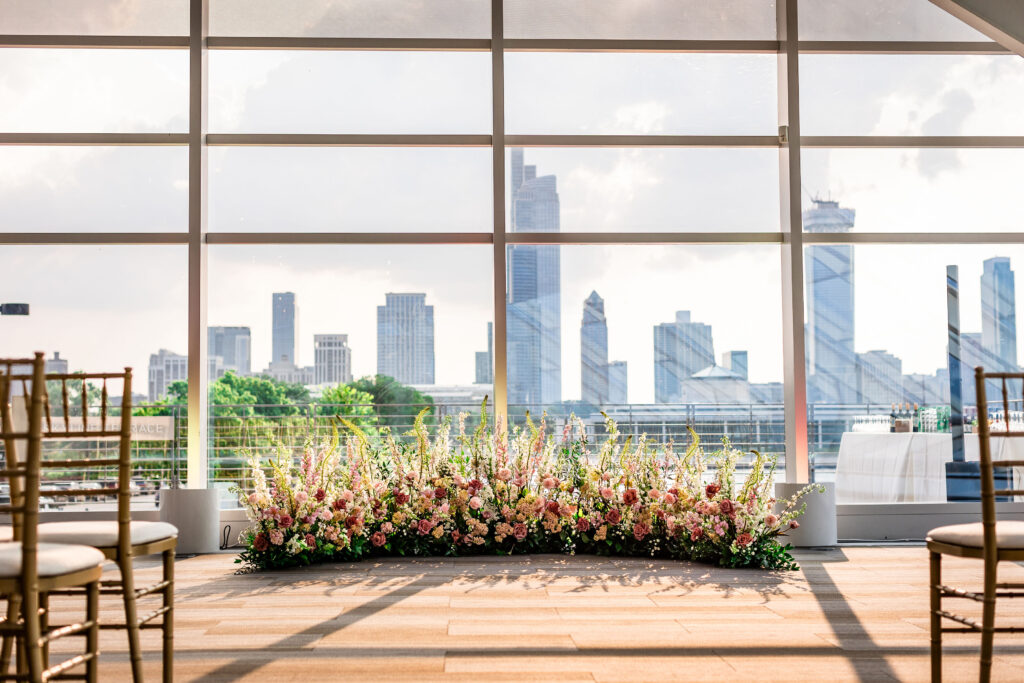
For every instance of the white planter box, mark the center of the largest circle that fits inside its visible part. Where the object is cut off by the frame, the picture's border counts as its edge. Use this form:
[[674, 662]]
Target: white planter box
[[196, 513], [818, 523]]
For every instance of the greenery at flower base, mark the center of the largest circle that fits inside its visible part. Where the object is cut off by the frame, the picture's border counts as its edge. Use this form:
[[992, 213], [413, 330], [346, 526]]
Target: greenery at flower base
[[526, 491]]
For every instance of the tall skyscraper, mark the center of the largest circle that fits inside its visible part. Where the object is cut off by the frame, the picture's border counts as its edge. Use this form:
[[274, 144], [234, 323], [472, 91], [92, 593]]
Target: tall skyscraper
[[485, 360], [618, 384], [828, 281], [332, 359], [233, 347], [879, 377], [405, 338], [533, 291], [285, 316], [165, 367], [999, 312], [681, 349], [594, 351], [56, 365]]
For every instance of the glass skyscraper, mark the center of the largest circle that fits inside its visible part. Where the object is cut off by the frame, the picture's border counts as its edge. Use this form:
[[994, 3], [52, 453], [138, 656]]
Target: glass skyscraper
[[405, 338], [681, 349], [533, 307], [831, 360], [285, 313], [999, 312], [232, 345], [594, 352]]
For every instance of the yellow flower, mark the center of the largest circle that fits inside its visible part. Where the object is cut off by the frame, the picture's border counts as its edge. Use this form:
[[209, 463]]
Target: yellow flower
[[438, 531], [398, 518]]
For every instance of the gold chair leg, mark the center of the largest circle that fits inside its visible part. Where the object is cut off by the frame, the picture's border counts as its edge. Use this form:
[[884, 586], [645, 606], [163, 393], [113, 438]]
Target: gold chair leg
[[7, 650], [92, 639], [131, 615], [168, 618], [44, 626], [33, 653], [988, 622], [935, 604]]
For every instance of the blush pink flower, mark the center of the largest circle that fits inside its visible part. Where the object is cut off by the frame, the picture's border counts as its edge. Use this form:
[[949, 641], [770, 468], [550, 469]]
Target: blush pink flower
[[654, 494], [378, 539], [607, 493], [670, 499], [301, 497], [276, 537], [310, 541], [549, 483], [519, 531], [504, 473], [387, 527], [582, 524], [771, 520], [613, 517], [425, 526], [639, 531], [794, 524], [519, 481], [476, 502]]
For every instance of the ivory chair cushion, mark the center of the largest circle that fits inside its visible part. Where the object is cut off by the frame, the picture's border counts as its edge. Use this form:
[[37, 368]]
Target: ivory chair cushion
[[53, 559], [99, 534], [103, 534], [1009, 535]]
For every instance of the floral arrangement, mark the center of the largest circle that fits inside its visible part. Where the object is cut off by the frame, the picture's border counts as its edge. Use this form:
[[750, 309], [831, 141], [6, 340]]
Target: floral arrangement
[[524, 491]]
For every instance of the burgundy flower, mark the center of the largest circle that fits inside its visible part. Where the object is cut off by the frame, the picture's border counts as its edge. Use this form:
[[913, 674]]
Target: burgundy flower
[[339, 504], [475, 485], [744, 539], [378, 539], [696, 533], [351, 520], [794, 524], [285, 521], [440, 492], [553, 506], [519, 531], [727, 507], [613, 517], [583, 524], [261, 542], [320, 495], [712, 489], [630, 497], [401, 498], [310, 541]]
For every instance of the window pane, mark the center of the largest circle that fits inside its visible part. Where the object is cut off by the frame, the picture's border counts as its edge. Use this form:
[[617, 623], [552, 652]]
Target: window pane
[[637, 331], [599, 93], [100, 307], [352, 18], [94, 189], [95, 17], [356, 189], [911, 94], [94, 91], [878, 334], [881, 20], [349, 92], [926, 190], [650, 19], [316, 317], [650, 190]]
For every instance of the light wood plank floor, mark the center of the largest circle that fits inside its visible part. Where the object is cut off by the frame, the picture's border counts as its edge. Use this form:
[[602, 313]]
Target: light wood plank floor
[[857, 613]]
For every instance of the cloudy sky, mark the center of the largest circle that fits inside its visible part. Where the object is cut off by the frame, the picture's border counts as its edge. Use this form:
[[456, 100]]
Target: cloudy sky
[[105, 307]]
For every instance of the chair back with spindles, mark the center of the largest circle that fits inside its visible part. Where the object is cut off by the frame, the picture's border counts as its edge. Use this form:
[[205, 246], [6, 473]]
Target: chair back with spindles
[[96, 423], [988, 489], [22, 472]]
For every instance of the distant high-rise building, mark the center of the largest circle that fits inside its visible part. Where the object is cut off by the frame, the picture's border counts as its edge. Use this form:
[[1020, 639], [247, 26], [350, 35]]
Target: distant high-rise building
[[681, 349], [618, 386], [233, 347], [534, 318], [594, 351], [485, 359], [736, 361], [405, 338], [285, 323], [879, 377], [831, 360], [332, 359], [999, 312], [165, 367], [56, 365]]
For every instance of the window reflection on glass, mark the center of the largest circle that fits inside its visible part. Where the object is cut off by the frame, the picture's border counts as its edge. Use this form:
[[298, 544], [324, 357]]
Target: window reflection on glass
[[95, 17], [881, 20]]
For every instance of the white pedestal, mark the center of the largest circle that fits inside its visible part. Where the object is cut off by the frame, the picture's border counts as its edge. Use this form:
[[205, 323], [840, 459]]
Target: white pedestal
[[196, 513], [818, 523]]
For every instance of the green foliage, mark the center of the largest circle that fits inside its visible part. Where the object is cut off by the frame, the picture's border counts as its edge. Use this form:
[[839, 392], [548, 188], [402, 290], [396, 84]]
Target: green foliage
[[397, 404]]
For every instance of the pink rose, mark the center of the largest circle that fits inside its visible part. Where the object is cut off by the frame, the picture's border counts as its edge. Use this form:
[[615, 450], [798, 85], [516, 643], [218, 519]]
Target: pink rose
[[549, 483], [519, 531], [613, 517], [276, 536], [582, 524], [670, 499], [310, 541], [476, 502], [794, 524], [260, 543], [639, 531], [607, 493], [348, 496], [378, 539], [504, 474], [285, 520], [301, 497], [744, 539], [425, 526], [727, 507], [519, 481], [654, 494], [696, 533], [771, 520], [630, 496], [387, 527]]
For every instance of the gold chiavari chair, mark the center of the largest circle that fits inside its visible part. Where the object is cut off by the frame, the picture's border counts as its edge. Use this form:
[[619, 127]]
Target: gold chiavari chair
[[123, 539], [990, 541], [29, 570]]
